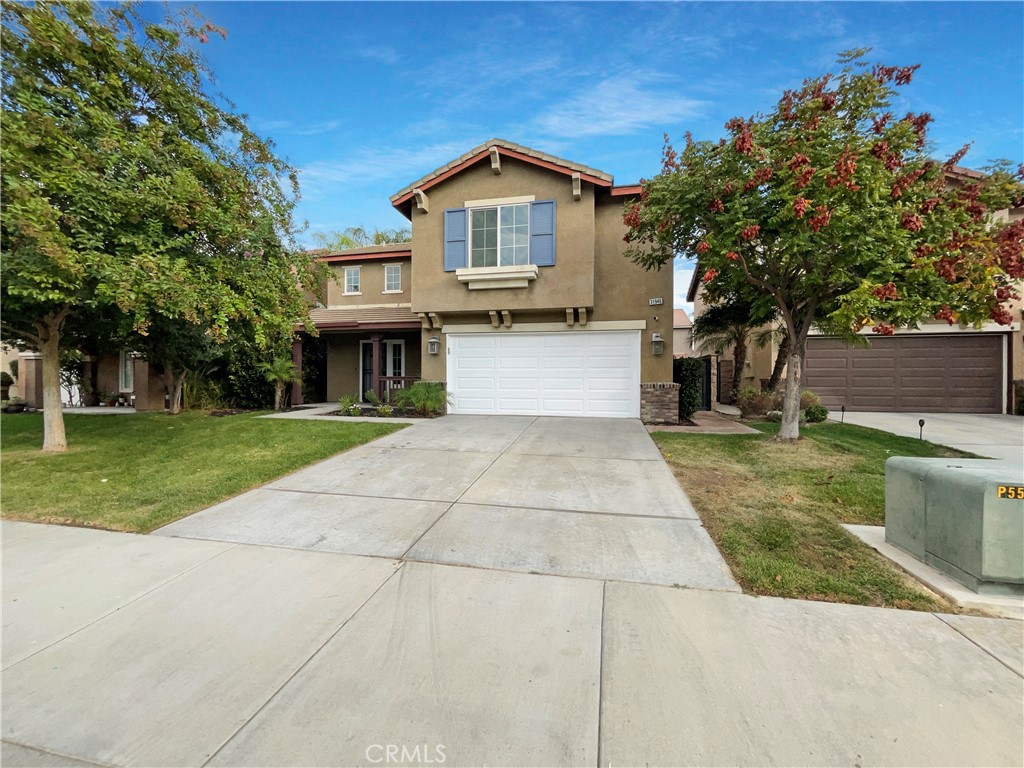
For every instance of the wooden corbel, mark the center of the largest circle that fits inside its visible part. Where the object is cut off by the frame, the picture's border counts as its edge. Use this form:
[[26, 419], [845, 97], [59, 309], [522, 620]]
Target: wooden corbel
[[421, 199]]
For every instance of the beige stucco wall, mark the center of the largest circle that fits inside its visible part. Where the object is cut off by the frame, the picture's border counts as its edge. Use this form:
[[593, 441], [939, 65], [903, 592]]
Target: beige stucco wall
[[623, 291], [371, 284], [569, 283], [681, 343]]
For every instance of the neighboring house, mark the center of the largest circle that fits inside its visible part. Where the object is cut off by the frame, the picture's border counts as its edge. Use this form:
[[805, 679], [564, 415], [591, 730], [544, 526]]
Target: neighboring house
[[122, 378], [934, 368], [514, 293], [682, 340]]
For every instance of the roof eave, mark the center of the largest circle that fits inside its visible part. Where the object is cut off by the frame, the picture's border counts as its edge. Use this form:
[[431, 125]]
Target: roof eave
[[401, 199]]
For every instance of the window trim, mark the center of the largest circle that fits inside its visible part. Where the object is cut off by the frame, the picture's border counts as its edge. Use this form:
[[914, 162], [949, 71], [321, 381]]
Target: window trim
[[397, 290], [359, 281], [497, 206], [126, 364]]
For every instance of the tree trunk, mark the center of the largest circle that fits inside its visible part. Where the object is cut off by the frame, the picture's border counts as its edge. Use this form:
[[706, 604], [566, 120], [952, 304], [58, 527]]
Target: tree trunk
[[739, 362], [780, 363], [790, 429], [173, 384], [279, 396], [54, 438]]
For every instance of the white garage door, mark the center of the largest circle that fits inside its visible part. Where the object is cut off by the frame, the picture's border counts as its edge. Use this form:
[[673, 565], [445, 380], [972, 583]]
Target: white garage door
[[578, 373]]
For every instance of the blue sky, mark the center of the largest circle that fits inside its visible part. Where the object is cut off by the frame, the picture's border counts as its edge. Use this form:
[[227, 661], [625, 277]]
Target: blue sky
[[364, 98]]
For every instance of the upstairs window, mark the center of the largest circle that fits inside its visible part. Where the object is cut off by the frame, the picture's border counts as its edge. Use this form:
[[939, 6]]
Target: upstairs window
[[495, 234], [392, 278], [351, 280], [500, 236]]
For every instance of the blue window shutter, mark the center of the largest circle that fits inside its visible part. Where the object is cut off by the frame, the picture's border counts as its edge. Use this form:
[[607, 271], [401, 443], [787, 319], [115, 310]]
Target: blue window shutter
[[542, 233], [455, 239]]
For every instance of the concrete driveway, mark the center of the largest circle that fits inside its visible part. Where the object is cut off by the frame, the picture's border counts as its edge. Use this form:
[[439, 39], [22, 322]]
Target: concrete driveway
[[996, 436], [570, 497], [267, 642]]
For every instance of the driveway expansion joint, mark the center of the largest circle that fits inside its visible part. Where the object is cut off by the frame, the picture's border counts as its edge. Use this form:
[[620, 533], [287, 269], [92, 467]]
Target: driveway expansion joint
[[979, 645], [122, 606], [51, 753], [300, 667]]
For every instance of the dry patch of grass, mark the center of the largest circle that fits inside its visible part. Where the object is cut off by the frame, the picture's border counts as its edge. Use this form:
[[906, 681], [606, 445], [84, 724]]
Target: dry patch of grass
[[775, 510]]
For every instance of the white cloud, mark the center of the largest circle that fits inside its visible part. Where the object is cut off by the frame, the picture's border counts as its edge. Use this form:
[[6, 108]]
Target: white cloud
[[299, 129], [337, 178], [383, 54], [618, 105]]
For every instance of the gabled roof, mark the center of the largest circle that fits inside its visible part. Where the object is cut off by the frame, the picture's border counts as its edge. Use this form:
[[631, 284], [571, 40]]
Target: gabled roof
[[680, 319], [506, 149]]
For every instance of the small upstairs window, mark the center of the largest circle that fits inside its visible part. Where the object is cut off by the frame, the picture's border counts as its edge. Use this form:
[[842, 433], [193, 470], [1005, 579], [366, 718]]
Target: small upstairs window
[[351, 280], [392, 278]]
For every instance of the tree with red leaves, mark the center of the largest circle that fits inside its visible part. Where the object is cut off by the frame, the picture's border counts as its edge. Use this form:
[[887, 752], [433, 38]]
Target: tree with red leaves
[[831, 208]]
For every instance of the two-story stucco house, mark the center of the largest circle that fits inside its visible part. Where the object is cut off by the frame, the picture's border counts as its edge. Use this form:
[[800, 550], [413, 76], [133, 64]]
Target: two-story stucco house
[[514, 292]]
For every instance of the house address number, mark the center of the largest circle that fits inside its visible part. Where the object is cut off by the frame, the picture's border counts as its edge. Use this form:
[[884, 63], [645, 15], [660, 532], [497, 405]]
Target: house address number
[[655, 302]]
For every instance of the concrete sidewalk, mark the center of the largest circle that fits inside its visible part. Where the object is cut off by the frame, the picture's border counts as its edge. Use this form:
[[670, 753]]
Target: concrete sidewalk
[[995, 436], [150, 650]]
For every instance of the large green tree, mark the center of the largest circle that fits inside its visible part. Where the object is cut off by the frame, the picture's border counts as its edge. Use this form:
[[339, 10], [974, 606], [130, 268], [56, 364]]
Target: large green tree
[[830, 206], [127, 185]]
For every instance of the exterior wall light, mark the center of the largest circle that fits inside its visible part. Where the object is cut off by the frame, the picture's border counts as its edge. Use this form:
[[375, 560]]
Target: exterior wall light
[[657, 344], [433, 345]]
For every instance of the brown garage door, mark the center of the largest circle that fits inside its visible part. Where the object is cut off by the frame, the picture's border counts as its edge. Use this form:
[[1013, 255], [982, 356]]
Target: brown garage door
[[954, 374]]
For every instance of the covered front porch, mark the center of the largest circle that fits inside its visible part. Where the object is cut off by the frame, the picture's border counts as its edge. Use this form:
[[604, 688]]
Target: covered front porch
[[360, 351], [359, 363]]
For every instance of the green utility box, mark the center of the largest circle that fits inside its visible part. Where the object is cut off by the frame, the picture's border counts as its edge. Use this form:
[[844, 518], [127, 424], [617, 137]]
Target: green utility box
[[964, 517]]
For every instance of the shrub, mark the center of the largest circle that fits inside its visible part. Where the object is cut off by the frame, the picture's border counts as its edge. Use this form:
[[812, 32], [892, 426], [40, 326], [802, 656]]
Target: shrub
[[754, 402], [423, 397], [199, 392], [816, 413], [690, 375], [808, 398], [6, 379], [385, 411], [349, 405]]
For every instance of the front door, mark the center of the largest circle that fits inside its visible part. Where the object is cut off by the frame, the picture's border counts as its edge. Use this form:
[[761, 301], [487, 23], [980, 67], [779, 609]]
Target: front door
[[366, 367], [392, 363]]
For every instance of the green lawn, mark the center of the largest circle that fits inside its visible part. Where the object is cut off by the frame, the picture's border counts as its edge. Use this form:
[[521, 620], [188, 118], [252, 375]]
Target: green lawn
[[138, 472], [775, 509]]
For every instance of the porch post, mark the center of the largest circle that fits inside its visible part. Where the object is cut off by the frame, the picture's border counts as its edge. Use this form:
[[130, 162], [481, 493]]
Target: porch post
[[375, 340], [297, 361]]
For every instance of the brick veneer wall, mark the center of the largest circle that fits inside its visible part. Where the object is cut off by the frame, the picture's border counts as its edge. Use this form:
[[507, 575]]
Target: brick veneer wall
[[659, 402]]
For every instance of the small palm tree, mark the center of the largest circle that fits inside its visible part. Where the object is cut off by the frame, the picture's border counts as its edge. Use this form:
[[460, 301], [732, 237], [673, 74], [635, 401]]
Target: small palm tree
[[729, 325], [280, 372]]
